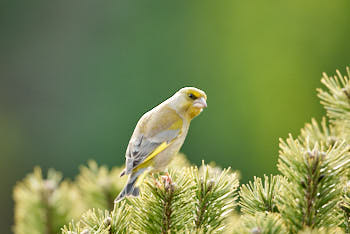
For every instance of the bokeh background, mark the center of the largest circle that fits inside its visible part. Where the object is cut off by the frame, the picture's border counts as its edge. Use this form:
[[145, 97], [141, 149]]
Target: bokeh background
[[75, 76]]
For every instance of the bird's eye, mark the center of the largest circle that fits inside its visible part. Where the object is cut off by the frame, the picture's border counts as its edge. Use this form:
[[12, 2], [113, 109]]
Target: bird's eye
[[192, 96]]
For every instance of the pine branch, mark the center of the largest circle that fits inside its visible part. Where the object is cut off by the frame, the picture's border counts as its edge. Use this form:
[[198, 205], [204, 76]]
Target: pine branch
[[195, 200], [321, 133], [259, 196], [310, 195], [164, 205], [260, 223], [43, 205], [101, 221], [337, 100], [120, 218], [99, 186], [216, 193], [322, 230], [73, 228], [345, 206]]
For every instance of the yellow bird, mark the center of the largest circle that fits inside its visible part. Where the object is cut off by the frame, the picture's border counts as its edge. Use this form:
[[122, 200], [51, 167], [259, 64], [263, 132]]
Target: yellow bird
[[158, 135]]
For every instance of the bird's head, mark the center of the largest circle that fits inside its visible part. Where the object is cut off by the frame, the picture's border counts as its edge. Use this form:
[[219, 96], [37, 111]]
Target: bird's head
[[189, 102]]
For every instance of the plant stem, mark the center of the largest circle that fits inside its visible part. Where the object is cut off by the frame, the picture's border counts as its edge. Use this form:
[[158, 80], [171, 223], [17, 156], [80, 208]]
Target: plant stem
[[167, 212]]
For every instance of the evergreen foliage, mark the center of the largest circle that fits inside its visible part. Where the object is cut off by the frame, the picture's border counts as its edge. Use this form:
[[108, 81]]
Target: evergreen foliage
[[336, 99], [345, 206], [313, 187], [101, 221], [215, 196], [311, 194], [98, 186], [260, 223], [259, 196], [165, 204], [43, 205]]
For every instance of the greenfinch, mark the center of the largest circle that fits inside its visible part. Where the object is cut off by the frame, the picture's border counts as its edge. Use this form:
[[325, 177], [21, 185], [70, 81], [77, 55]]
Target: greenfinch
[[158, 135]]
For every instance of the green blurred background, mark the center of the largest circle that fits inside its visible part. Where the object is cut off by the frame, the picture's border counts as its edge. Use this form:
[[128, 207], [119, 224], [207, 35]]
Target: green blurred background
[[77, 75]]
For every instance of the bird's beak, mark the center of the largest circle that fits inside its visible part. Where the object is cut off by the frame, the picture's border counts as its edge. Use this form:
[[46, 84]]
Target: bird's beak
[[200, 103]]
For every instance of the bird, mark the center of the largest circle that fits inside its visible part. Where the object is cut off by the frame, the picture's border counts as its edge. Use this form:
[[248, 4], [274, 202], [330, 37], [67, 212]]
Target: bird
[[159, 135]]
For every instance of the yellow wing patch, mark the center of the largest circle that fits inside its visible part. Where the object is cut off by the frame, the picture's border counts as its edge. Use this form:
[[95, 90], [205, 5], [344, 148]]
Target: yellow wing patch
[[146, 162], [177, 125]]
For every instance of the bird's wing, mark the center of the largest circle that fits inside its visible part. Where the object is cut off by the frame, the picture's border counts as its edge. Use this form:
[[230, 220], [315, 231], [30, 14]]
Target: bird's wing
[[153, 134]]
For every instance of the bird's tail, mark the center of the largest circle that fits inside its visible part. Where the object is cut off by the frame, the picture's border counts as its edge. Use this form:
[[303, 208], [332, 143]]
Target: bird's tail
[[131, 188]]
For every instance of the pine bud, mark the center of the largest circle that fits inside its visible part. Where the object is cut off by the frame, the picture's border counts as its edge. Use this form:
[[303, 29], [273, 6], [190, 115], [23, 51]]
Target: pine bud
[[331, 140], [85, 231], [255, 230], [346, 91], [311, 154], [211, 184], [49, 186], [107, 221]]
